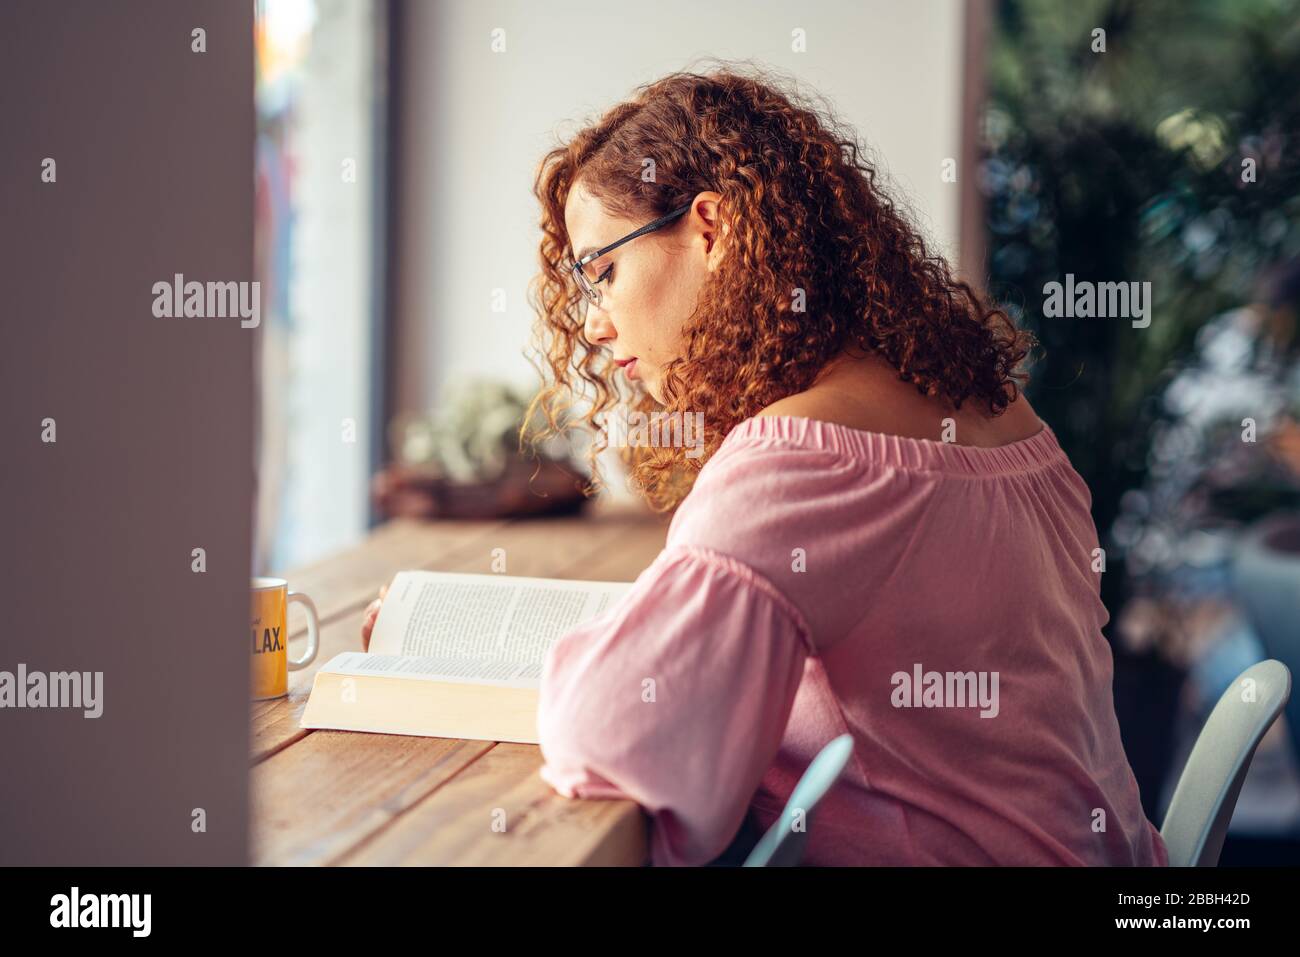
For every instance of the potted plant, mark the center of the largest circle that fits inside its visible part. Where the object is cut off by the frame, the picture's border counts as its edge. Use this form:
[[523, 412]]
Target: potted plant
[[463, 460]]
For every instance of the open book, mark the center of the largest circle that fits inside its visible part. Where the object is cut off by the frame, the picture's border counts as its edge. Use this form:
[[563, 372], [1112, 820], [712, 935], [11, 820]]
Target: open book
[[455, 656]]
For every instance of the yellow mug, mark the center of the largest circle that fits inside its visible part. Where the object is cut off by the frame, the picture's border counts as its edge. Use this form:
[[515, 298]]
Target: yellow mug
[[270, 629]]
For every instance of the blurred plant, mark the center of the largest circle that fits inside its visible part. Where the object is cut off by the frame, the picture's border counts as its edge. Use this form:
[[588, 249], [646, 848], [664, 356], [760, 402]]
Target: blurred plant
[[1204, 484], [1130, 165], [473, 435]]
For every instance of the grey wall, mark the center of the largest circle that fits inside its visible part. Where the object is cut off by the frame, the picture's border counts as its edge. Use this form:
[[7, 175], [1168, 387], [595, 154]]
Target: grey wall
[[475, 123], [154, 152]]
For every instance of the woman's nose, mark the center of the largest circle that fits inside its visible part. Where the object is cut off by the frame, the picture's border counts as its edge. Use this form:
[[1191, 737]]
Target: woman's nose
[[597, 328]]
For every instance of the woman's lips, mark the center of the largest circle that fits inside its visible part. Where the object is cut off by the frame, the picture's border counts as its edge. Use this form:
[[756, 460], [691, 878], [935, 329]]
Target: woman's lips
[[629, 367]]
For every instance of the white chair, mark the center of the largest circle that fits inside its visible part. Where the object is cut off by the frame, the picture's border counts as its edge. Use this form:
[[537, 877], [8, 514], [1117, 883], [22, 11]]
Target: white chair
[[1198, 816], [783, 844], [1266, 580]]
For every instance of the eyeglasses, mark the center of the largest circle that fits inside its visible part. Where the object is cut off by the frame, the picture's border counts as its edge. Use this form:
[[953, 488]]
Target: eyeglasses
[[587, 282]]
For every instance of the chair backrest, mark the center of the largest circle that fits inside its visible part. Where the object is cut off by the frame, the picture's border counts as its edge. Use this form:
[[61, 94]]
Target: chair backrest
[[1266, 580], [1198, 816], [783, 844]]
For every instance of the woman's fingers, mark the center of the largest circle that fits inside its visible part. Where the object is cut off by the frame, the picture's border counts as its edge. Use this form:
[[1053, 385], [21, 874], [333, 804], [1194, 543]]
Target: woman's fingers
[[368, 623]]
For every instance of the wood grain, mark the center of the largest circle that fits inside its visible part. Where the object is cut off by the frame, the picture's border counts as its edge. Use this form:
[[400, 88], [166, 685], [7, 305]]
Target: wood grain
[[324, 797], [339, 583], [499, 811], [315, 800]]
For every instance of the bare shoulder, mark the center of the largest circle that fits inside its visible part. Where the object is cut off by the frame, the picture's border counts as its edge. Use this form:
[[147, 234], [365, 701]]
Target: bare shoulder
[[881, 403], [838, 408], [860, 392], [811, 405]]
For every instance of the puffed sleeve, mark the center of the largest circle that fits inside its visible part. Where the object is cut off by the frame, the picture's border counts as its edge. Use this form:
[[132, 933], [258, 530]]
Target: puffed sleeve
[[676, 697]]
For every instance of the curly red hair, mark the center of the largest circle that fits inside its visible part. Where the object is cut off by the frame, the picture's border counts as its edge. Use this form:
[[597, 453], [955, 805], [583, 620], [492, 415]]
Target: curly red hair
[[801, 210]]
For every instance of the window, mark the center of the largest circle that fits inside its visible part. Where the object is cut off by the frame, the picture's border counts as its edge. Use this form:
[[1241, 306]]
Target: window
[[320, 92]]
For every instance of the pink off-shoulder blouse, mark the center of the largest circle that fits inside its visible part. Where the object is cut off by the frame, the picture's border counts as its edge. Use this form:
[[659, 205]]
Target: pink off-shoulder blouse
[[938, 602]]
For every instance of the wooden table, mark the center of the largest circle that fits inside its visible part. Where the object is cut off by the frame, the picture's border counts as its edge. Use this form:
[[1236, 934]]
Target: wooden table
[[344, 797]]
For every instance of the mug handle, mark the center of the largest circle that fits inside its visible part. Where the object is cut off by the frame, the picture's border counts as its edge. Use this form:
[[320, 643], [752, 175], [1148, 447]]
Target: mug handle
[[313, 631]]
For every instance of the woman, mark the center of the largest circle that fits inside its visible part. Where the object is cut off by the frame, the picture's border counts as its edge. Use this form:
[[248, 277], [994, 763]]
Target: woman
[[880, 537]]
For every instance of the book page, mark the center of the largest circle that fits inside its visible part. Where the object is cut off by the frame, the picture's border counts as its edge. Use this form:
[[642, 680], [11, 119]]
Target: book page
[[457, 671], [484, 627]]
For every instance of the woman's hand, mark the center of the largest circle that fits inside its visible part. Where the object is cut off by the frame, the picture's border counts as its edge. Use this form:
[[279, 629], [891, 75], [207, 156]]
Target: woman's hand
[[368, 622]]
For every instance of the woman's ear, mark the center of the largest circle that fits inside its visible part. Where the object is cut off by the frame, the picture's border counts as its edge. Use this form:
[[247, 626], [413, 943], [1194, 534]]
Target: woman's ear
[[715, 232]]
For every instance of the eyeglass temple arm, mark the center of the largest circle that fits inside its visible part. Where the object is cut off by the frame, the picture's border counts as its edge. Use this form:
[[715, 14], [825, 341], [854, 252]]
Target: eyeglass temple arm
[[648, 227]]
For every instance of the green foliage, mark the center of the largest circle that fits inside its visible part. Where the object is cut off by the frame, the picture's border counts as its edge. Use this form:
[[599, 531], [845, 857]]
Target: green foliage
[[473, 434], [1127, 165]]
